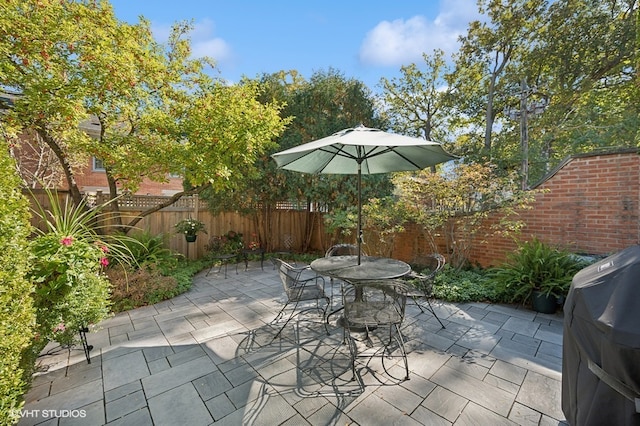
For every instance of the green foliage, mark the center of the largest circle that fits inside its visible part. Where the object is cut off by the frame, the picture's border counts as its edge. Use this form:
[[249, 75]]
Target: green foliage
[[17, 314], [463, 285], [149, 250], [190, 226], [69, 258], [383, 219], [152, 284], [452, 205], [535, 266], [231, 242]]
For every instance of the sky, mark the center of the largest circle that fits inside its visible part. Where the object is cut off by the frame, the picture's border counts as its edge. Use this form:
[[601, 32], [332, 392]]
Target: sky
[[362, 39]]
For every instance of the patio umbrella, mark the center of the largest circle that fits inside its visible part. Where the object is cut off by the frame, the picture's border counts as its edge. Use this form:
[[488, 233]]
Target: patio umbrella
[[362, 150]]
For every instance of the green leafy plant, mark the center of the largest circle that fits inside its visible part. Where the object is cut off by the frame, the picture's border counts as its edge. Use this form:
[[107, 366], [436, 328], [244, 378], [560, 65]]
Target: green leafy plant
[[190, 226], [231, 242], [17, 313], [535, 266], [69, 259], [463, 285]]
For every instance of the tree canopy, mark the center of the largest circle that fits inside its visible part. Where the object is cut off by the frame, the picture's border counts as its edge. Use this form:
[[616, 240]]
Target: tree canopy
[[158, 110]]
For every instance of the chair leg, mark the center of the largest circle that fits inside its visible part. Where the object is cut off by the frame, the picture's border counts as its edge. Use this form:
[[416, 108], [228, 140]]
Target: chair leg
[[434, 313]]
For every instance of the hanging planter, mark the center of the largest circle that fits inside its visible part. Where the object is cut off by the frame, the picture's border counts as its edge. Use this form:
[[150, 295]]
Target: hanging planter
[[190, 228]]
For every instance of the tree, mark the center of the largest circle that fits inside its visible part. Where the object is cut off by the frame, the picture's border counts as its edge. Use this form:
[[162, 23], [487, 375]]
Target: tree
[[451, 206], [490, 47], [417, 103], [158, 110], [315, 108]]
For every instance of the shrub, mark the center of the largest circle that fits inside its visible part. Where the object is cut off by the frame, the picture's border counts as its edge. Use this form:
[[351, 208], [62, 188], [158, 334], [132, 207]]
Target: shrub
[[462, 286], [149, 250], [17, 315], [71, 291], [535, 266]]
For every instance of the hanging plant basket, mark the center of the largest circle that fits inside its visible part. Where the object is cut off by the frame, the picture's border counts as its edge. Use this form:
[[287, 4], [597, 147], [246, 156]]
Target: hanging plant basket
[[191, 238]]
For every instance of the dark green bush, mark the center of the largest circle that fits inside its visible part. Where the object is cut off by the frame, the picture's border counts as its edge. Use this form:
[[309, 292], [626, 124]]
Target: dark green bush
[[17, 314], [535, 266], [466, 285]]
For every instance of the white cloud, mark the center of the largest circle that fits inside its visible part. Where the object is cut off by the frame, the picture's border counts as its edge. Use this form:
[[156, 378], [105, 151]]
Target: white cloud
[[401, 42], [203, 41]]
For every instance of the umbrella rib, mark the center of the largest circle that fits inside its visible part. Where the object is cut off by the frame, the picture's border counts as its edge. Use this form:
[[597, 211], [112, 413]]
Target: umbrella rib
[[392, 149]]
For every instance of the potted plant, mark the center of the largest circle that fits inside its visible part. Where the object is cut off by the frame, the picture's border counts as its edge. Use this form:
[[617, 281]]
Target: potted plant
[[190, 228], [537, 272]]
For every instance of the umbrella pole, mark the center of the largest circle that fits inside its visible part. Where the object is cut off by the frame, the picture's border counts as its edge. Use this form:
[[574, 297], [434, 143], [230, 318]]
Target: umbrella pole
[[359, 210]]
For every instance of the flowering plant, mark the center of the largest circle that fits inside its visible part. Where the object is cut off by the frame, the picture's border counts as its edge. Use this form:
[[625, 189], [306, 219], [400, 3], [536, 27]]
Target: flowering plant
[[190, 226], [254, 244], [231, 242]]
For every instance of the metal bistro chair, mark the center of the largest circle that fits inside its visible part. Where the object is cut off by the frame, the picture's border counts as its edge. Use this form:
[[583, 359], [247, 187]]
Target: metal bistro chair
[[299, 289], [420, 285], [372, 307]]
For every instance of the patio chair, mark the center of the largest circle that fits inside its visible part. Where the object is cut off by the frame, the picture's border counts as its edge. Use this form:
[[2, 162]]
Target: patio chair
[[301, 285], [420, 284], [374, 311], [343, 250]]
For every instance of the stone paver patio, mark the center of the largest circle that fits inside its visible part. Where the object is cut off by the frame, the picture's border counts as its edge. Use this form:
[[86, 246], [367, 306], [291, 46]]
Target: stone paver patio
[[207, 357]]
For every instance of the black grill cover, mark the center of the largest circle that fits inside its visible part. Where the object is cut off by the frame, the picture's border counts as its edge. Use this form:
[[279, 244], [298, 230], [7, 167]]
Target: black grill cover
[[601, 343]]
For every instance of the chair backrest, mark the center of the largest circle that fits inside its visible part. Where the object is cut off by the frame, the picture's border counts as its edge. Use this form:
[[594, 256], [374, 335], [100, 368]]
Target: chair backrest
[[429, 265], [343, 250], [288, 275], [376, 302]]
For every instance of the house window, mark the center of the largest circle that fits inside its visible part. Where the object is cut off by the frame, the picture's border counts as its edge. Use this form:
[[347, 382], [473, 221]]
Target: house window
[[98, 165]]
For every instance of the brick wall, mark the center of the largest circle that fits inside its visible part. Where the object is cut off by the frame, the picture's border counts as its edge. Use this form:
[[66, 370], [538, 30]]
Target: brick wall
[[589, 204]]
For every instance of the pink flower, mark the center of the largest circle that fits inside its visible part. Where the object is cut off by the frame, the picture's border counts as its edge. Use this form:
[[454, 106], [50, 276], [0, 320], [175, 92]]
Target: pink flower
[[104, 262], [59, 328], [67, 241], [104, 249]]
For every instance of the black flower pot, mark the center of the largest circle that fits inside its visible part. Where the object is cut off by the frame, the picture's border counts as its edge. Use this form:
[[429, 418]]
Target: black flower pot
[[543, 303], [190, 238]]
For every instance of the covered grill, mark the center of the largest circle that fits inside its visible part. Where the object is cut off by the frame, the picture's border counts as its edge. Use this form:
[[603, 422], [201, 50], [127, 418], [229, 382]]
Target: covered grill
[[601, 343]]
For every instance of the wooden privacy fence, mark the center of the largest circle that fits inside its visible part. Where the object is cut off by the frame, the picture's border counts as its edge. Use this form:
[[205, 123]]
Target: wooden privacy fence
[[276, 229]]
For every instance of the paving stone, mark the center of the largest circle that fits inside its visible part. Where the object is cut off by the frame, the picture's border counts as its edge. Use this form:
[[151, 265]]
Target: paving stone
[[547, 334], [524, 416], [73, 380], [521, 326], [497, 400], [373, 411], [125, 405], [125, 390], [91, 414], [475, 415], [124, 369], [428, 417], [176, 376], [158, 365], [212, 385], [445, 403], [71, 399], [401, 398], [186, 355], [179, 406], [478, 339], [510, 372], [501, 383], [534, 386], [467, 366], [550, 349], [220, 406]]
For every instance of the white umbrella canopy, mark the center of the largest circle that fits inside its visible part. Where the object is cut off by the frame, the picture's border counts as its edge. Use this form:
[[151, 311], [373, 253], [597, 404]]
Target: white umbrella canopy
[[362, 150]]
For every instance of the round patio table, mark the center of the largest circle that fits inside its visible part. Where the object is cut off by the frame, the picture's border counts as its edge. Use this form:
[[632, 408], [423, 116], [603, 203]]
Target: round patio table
[[370, 268], [346, 268]]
